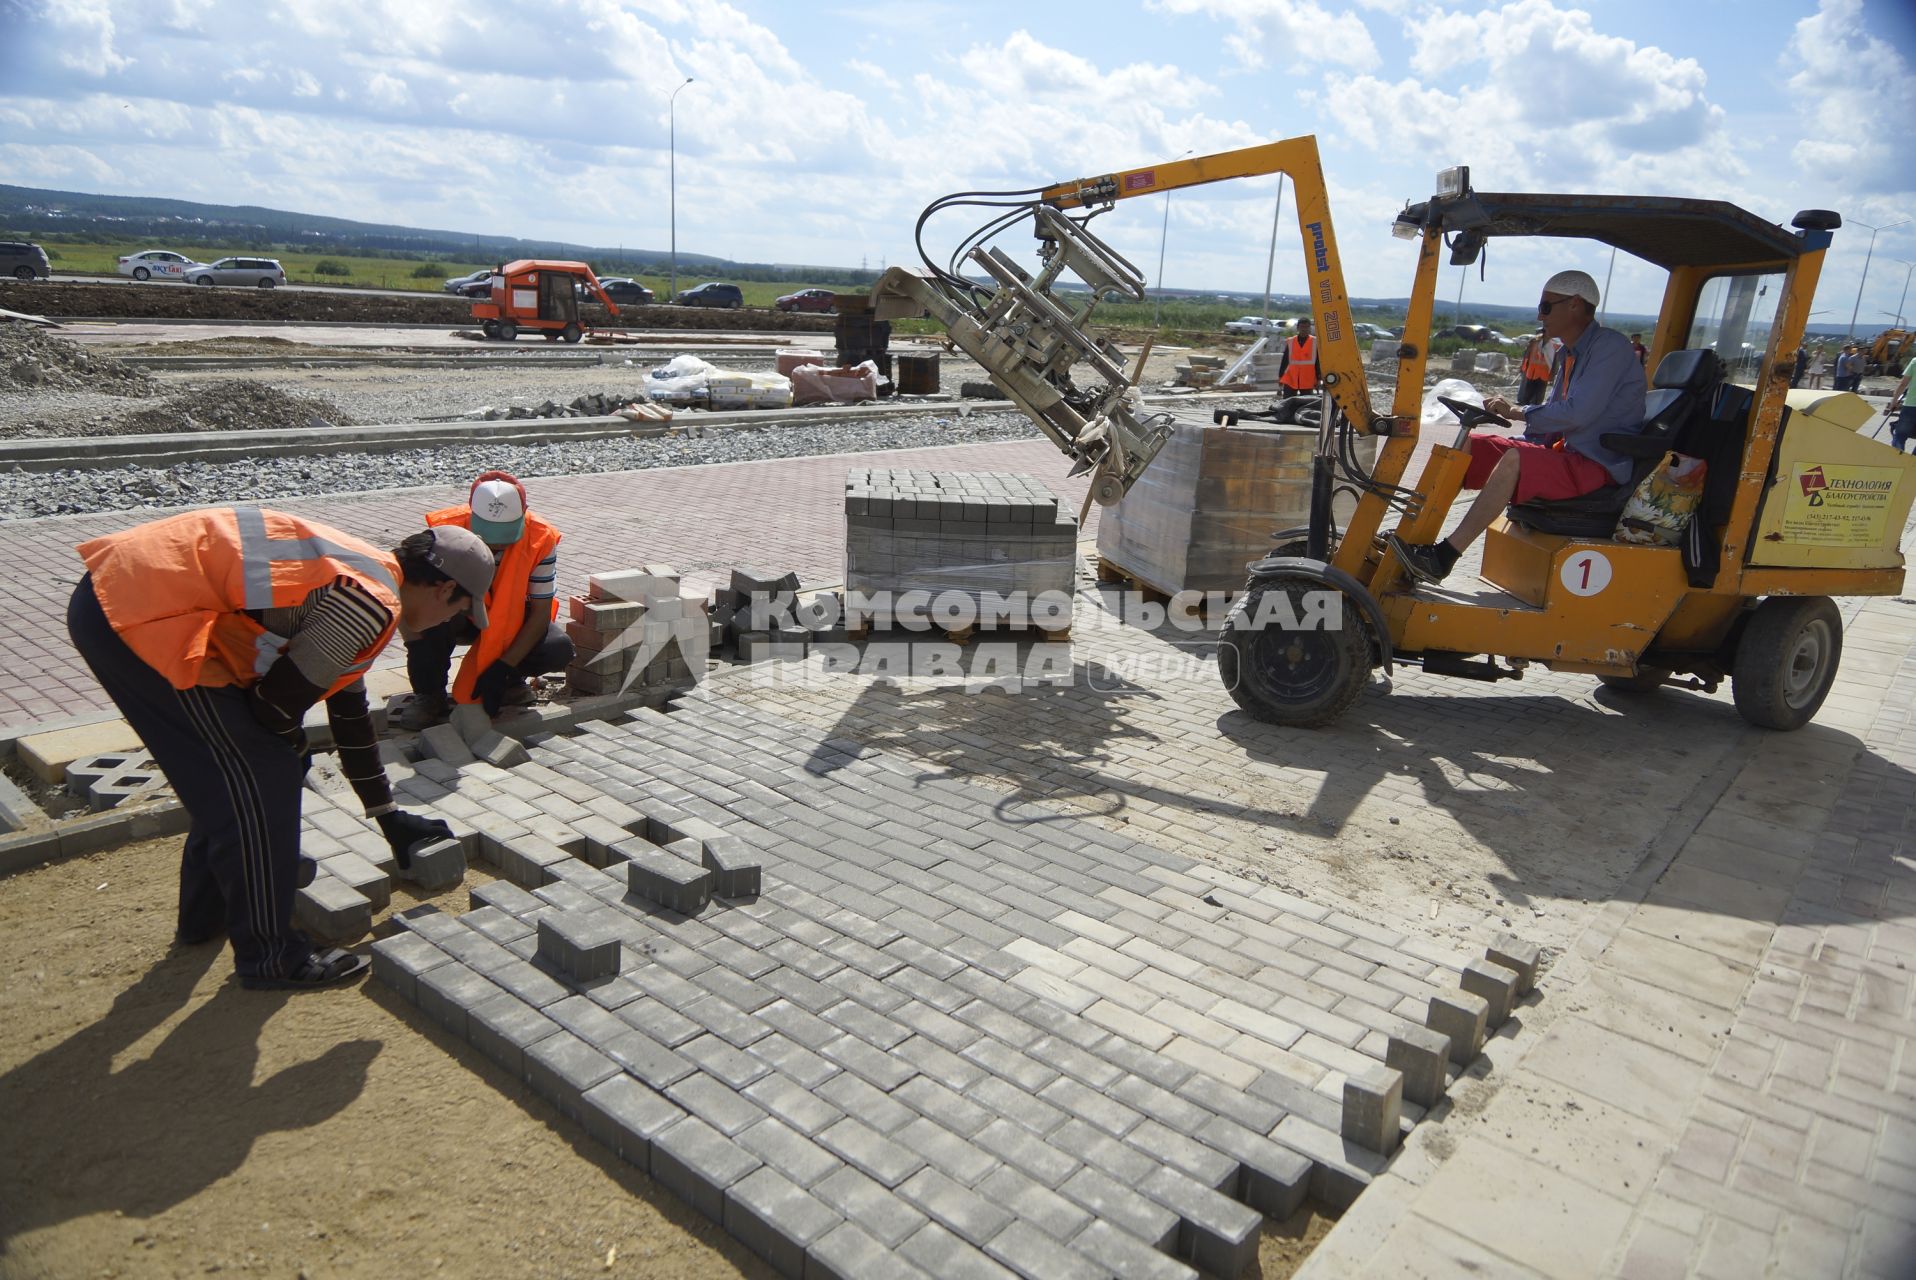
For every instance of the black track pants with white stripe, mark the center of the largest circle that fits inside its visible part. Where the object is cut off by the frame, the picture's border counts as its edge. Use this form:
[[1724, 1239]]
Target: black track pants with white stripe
[[239, 781]]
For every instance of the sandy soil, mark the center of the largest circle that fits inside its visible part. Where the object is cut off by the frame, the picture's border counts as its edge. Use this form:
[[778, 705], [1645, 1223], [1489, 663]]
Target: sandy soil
[[160, 1120]]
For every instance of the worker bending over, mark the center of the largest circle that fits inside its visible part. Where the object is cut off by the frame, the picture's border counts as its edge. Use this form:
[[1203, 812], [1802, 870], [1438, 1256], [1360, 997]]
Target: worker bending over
[[1596, 386], [214, 632], [527, 640]]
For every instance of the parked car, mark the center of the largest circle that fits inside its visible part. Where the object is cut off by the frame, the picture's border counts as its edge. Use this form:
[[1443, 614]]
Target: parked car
[[156, 264], [472, 285], [712, 295], [621, 289], [266, 273], [24, 261], [1258, 324], [823, 300], [1371, 332]]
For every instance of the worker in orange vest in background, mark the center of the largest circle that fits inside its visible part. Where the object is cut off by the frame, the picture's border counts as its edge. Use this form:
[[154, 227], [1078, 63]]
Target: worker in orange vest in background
[[1298, 370], [215, 632], [1535, 370], [527, 640]]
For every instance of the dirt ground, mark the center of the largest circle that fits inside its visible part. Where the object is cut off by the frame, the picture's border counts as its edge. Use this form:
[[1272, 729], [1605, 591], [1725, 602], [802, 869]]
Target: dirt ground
[[160, 1120]]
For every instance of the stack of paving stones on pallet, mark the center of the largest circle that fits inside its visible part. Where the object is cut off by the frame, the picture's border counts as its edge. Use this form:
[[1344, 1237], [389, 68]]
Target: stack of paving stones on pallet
[[635, 631], [765, 615], [917, 1038], [985, 535], [103, 781]]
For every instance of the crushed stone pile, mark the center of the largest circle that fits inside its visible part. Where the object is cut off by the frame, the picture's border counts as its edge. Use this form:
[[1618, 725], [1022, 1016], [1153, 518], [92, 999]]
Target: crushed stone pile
[[239, 405], [593, 405], [31, 359]]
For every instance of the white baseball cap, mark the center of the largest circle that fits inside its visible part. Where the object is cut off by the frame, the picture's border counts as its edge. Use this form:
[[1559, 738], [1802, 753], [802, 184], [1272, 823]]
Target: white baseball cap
[[498, 504], [1573, 284]]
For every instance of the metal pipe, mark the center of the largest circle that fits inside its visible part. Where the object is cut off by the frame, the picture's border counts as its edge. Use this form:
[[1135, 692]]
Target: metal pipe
[[1270, 263]]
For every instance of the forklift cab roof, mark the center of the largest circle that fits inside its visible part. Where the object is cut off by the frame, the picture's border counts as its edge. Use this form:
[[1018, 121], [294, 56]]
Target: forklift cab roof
[[1668, 231]]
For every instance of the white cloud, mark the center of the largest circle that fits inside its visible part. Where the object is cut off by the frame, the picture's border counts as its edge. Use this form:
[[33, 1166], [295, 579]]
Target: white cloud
[[1849, 84], [1294, 33], [85, 36]]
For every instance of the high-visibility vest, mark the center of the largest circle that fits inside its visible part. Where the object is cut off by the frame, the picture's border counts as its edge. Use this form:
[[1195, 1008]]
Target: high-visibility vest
[[1301, 373], [506, 601], [176, 590], [1535, 367]]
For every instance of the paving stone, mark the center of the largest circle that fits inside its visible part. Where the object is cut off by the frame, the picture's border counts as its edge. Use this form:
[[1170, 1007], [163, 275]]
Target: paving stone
[[435, 865], [1514, 953], [362, 876], [716, 1103], [948, 1256], [581, 946], [1420, 1054], [560, 1068], [697, 1163], [1497, 984], [497, 749], [1460, 1016], [1373, 1109], [470, 721], [955, 1207], [1116, 1203], [877, 1156], [332, 911], [1127, 1256], [444, 743], [1058, 1217], [847, 1252], [735, 867], [790, 1152], [1273, 1178], [664, 878], [449, 992], [503, 1027], [1031, 1252], [626, 1116], [399, 960]]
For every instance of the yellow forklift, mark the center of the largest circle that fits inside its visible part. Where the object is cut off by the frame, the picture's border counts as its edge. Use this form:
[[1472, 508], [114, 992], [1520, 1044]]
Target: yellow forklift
[[1797, 507]]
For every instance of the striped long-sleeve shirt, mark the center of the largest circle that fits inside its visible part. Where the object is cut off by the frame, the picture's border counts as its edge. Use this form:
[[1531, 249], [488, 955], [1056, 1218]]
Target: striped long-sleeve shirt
[[326, 633]]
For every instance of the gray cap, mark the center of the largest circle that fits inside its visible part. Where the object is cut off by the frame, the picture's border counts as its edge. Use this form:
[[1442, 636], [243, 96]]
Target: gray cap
[[463, 556]]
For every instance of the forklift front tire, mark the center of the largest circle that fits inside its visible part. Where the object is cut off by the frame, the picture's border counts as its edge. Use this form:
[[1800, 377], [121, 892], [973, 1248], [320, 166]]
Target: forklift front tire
[[508, 331], [490, 328], [1305, 664], [571, 333], [1786, 660]]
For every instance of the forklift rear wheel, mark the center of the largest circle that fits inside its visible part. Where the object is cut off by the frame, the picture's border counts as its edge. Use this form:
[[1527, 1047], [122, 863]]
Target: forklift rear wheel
[[490, 328], [1303, 677], [1786, 661], [508, 331], [571, 333], [1646, 680]]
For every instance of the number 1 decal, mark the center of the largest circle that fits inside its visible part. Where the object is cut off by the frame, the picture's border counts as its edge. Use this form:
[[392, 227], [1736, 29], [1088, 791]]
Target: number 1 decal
[[1585, 574]]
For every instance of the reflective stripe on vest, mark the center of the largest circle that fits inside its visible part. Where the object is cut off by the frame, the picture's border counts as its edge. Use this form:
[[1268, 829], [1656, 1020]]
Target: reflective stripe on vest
[[506, 600], [177, 590], [1300, 373]]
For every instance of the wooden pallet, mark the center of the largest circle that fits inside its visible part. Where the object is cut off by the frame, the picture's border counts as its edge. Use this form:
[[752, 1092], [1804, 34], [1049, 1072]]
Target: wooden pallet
[[1111, 573]]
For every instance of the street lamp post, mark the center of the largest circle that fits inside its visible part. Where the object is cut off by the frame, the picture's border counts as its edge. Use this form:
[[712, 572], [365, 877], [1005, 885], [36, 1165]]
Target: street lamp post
[[1866, 257], [672, 142], [1908, 267], [1164, 234]]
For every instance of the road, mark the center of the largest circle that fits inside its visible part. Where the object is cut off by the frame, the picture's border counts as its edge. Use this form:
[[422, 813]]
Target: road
[[297, 288]]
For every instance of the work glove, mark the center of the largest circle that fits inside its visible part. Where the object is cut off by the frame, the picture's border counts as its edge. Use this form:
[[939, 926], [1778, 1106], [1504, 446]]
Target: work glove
[[404, 830], [492, 684]]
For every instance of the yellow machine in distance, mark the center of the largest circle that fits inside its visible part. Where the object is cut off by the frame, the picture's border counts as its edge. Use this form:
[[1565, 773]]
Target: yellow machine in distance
[[1797, 507]]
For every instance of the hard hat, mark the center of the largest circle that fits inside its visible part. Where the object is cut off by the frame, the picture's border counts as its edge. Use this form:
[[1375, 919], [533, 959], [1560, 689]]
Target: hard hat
[[1573, 284]]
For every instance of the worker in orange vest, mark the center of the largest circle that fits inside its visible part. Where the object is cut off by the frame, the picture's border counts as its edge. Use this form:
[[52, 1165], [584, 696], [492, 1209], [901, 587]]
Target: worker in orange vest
[[527, 640], [1535, 371], [1298, 370], [215, 632]]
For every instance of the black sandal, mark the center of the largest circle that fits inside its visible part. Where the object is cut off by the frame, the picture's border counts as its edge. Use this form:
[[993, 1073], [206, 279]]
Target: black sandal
[[320, 969]]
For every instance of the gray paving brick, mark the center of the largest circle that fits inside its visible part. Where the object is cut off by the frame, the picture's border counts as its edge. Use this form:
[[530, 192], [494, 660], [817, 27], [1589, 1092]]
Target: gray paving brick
[[938, 1063], [586, 1020], [946, 1151], [530, 984], [1496, 983], [647, 1059], [1188, 1155], [886, 1160], [399, 960], [869, 1063], [562, 1067], [1217, 1233], [1127, 1256], [1027, 1151], [1273, 1179], [1106, 1113], [716, 1103], [790, 1152], [448, 991], [955, 1207], [697, 1163], [1116, 1203], [865, 989], [1514, 953], [795, 1060], [1339, 1171], [879, 1211], [659, 1021], [582, 945], [1420, 1054], [1032, 1252], [503, 1027], [947, 1256], [625, 1116], [848, 1253], [1247, 1108], [1102, 1151], [789, 1101], [713, 1055], [1373, 1109], [723, 1019], [1461, 1016], [1034, 1202], [930, 1098], [505, 896]]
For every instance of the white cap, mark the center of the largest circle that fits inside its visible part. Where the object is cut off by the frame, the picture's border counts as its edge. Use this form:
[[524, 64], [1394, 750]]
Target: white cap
[[1573, 284], [498, 505]]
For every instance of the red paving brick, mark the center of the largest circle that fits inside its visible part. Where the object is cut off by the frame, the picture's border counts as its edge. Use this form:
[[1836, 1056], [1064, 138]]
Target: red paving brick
[[781, 514]]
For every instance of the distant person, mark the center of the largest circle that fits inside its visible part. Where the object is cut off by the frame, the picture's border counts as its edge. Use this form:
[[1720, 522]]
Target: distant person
[[1643, 352], [1534, 371], [525, 639], [1849, 369], [215, 632], [1298, 370], [1799, 366], [1596, 387], [1819, 366], [1901, 412]]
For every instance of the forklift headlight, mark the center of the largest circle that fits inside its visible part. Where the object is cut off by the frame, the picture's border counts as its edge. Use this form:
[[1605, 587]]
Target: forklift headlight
[[1405, 230], [1452, 183]]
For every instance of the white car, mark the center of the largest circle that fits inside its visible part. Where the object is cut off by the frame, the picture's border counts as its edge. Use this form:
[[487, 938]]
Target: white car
[[156, 264], [1258, 324]]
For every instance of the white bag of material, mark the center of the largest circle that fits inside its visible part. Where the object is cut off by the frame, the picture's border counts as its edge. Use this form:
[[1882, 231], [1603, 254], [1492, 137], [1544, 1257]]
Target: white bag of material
[[819, 384], [1435, 415]]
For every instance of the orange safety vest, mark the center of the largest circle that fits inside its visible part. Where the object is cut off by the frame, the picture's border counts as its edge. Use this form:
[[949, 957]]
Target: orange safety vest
[[506, 601], [1535, 367], [177, 590], [1301, 373]]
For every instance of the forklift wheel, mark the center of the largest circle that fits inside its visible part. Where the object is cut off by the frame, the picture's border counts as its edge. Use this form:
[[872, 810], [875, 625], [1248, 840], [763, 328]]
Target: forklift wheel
[[490, 328], [508, 331], [1786, 661], [1302, 677], [572, 332]]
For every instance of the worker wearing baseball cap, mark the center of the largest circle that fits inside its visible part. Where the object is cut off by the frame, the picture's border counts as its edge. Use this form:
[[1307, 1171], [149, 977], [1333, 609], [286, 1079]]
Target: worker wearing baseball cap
[[525, 639], [1597, 386], [215, 632]]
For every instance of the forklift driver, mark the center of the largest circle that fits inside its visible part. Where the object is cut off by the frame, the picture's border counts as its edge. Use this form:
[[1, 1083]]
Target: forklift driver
[[1596, 385]]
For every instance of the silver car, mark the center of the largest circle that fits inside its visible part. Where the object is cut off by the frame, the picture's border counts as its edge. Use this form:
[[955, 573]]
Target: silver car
[[264, 273]]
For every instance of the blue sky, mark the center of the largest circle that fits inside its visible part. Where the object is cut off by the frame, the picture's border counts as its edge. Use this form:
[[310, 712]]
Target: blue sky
[[816, 133]]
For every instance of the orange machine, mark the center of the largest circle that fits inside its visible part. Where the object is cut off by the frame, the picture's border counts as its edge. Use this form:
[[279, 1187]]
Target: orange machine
[[533, 293]]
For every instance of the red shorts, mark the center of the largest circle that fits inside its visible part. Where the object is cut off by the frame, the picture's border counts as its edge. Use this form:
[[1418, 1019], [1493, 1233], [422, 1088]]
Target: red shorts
[[1542, 472]]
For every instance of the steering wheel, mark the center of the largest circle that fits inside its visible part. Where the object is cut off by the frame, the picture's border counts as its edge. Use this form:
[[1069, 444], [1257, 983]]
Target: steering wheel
[[1472, 415]]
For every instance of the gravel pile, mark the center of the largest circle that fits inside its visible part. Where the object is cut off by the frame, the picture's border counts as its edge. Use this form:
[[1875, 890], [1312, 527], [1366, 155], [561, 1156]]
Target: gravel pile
[[238, 405], [25, 495], [32, 359]]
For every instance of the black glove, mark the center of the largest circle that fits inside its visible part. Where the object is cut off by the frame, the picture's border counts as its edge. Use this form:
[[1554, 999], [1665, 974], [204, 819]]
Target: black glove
[[492, 684], [404, 830]]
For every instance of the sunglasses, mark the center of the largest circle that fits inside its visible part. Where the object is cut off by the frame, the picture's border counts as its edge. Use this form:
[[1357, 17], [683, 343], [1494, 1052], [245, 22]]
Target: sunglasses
[[1544, 305]]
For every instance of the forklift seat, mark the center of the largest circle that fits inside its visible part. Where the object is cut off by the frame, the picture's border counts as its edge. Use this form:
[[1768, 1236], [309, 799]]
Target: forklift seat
[[1684, 387]]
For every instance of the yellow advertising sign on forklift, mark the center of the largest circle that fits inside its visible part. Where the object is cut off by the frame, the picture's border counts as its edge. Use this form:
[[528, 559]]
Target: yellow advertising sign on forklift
[[1839, 499]]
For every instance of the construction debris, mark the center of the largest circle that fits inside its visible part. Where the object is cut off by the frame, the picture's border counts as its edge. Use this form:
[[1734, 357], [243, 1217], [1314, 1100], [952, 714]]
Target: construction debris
[[239, 405], [34, 360]]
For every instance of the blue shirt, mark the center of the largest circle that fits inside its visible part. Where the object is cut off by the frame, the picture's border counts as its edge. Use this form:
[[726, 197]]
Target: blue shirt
[[1597, 386]]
